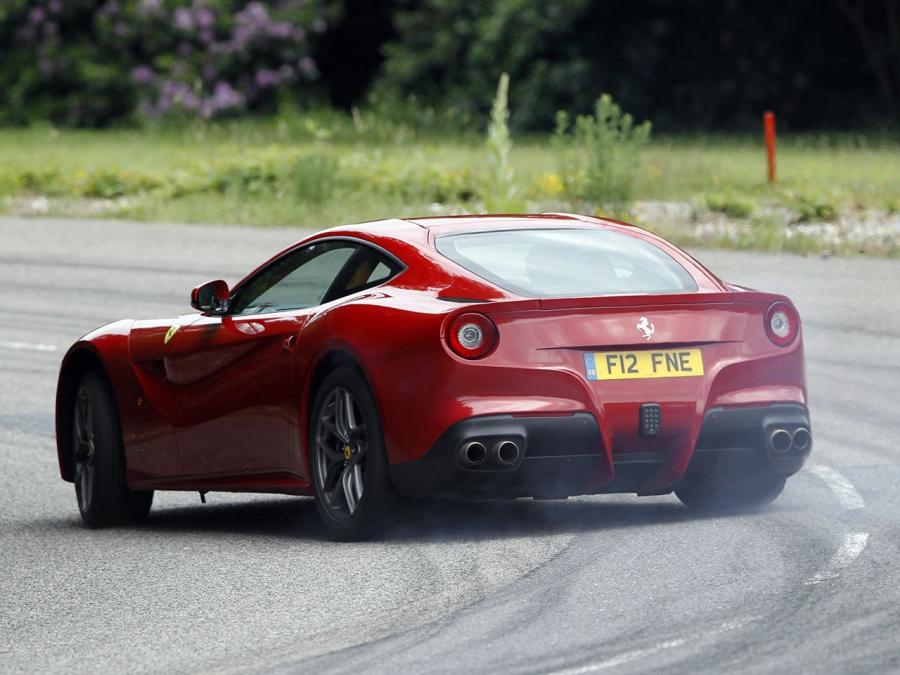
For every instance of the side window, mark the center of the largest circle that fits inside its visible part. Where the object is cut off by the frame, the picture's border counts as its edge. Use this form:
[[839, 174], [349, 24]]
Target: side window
[[300, 279], [380, 273], [367, 268]]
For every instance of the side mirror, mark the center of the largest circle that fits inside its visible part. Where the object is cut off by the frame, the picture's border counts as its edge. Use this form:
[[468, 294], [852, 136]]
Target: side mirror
[[210, 297]]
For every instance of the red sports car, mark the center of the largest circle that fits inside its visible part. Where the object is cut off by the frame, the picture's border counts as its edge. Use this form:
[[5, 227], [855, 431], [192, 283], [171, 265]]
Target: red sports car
[[486, 356]]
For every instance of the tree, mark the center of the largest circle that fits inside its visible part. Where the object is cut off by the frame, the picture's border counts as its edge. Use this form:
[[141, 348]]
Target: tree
[[879, 34]]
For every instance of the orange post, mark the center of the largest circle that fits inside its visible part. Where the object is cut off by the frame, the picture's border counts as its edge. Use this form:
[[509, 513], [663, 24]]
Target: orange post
[[769, 129]]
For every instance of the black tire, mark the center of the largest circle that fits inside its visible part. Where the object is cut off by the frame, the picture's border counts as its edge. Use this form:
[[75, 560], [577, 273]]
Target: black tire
[[98, 459], [336, 456], [747, 496]]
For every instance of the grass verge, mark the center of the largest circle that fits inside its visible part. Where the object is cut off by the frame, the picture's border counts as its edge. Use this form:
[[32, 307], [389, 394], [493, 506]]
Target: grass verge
[[322, 170]]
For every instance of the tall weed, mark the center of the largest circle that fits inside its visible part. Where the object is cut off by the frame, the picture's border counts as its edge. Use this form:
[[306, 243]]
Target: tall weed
[[599, 154], [501, 194]]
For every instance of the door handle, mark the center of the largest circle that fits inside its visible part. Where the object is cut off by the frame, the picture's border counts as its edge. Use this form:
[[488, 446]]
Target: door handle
[[290, 344]]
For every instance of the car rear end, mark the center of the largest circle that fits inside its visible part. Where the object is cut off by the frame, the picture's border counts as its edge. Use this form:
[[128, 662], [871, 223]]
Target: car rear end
[[661, 376]]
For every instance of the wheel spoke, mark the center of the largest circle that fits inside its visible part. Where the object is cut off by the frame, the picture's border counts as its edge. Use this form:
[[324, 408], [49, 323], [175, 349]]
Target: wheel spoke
[[358, 480], [89, 472], [332, 477], [331, 453], [85, 482], [347, 483], [79, 428], [333, 429], [335, 498], [343, 414], [83, 450], [350, 415]]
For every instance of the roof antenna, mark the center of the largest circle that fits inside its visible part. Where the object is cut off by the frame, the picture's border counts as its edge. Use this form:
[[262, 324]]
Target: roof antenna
[[203, 496]]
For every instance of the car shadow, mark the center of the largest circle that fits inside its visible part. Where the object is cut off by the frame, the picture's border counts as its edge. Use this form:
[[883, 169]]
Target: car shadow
[[435, 520]]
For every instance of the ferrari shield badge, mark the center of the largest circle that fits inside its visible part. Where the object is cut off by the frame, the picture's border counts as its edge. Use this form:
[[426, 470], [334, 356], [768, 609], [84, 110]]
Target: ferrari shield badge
[[170, 334]]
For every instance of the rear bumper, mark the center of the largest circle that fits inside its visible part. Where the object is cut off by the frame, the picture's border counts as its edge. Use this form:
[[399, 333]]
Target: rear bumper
[[735, 445], [565, 455]]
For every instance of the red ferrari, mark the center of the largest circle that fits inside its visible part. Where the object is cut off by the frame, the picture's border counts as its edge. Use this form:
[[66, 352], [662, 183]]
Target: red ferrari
[[486, 356]]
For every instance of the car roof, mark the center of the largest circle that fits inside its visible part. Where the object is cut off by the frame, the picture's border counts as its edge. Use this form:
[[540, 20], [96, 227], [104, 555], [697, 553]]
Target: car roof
[[443, 224], [395, 234], [425, 228], [422, 231]]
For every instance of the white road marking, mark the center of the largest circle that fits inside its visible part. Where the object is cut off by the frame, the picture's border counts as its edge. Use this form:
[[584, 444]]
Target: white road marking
[[839, 485], [850, 550], [27, 346], [637, 654]]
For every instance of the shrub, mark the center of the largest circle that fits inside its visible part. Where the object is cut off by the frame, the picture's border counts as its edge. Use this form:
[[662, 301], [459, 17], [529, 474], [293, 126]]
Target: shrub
[[407, 179], [449, 53], [109, 183], [733, 206], [83, 62], [599, 155], [550, 185], [251, 178], [501, 194], [417, 183], [274, 171], [813, 209], [559, 54], [223, 57]]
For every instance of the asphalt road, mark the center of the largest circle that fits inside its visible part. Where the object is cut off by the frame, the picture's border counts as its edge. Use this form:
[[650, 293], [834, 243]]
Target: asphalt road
[[588, 585]]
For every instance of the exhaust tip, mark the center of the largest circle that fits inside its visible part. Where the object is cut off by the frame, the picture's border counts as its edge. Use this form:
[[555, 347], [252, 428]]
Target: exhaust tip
[[780, 440], [802, 439], [473, 453], [506, 452]]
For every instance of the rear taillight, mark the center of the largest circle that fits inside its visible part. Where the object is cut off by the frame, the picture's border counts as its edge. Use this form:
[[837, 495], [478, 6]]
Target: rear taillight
[[472, 336], [782, 323]]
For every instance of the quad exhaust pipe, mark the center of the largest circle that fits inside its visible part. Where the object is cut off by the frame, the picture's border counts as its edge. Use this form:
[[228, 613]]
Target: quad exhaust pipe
[[473, 453], [782, 440], [503, 453], [802, 439]]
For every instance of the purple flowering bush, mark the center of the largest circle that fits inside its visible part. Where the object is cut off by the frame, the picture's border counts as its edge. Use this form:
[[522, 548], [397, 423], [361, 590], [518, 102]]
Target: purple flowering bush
[[83, 62]]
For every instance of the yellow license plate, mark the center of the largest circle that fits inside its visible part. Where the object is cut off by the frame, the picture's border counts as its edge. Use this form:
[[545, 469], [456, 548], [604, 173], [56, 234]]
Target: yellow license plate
[[643, 364]]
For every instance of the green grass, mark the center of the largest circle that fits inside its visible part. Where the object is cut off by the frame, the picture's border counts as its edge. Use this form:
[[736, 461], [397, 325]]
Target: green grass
[[852, 173], [320, 170]]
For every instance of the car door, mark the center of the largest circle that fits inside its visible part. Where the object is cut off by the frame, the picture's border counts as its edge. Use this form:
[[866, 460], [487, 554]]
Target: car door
[[236, 373]]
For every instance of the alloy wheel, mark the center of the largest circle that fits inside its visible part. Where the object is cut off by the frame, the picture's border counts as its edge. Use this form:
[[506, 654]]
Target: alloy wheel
[[341, 453], [85, 448]]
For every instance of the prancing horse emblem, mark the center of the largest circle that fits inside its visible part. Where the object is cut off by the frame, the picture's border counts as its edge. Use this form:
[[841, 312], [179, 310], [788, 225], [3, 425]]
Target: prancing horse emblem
[[647, 329], [170, 334]]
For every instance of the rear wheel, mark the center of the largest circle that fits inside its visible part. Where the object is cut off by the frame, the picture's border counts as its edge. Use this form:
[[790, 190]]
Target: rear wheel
[[731, 497], [98, 459], [347, 456]]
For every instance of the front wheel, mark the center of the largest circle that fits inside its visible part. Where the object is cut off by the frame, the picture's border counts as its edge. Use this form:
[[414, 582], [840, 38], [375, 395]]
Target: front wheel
[[347, 456], [98, 459], [745, 496]]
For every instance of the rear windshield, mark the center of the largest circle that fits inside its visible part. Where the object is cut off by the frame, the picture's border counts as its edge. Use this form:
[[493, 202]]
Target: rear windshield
[[567, 263]]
